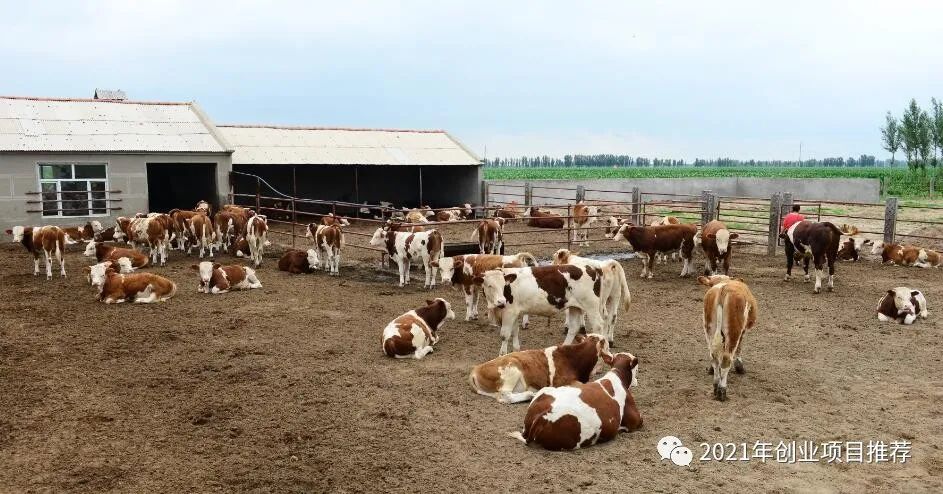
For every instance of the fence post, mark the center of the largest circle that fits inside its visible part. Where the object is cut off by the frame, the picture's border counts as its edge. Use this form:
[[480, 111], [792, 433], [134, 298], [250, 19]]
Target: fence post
[[707, 210], [775, 209], [528, 194], [258, 194], [580, 193], [569, 227], [636, 205], [890, 220], [484, 198]]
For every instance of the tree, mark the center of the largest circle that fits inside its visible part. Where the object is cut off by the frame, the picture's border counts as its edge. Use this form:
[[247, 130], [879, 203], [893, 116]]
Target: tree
[[925, 139], [910, 130], [936, 126], [891, 136]]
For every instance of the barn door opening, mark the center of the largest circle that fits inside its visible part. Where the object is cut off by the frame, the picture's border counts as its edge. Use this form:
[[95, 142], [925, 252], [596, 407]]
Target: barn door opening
[[180, 185]]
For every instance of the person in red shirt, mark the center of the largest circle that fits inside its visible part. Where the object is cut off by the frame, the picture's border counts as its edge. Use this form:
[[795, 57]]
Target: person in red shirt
[[792, 218]]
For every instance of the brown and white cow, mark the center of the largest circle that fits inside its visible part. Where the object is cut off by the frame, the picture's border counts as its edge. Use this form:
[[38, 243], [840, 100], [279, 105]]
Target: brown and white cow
[[650, 240], [448, 215], [298, 261], [460, 271], [104, 252], [517, 376], [901, 255], [545, 291], [581, 415], [613, 224], [203, 234], [662, 257], [392, 225], [613, 290], [181, 228], [402, 247], [330, 219], [509, 211], [256, 232], [929, 259], [412, 334], [543, 219], [216, 278], [230, 225], [715, 242], [239, 247], [584, 216], [75, 234], [822, 240], [850, 247], [490, 236], [142, 288], [48, 241], [420, 215], [730, 311], [903, 305], [152, 230], [204, 207], [328, 240]]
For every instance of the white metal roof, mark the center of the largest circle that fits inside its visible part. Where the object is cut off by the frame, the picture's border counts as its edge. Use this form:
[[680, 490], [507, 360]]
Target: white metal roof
[[272, 145], [77, 125]]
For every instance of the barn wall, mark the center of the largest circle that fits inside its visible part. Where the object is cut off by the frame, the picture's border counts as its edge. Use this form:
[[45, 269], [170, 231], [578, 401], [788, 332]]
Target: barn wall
[[126, 172]]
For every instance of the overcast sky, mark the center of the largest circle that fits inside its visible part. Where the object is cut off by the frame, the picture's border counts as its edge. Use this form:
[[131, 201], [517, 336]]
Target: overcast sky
[[682, 79]]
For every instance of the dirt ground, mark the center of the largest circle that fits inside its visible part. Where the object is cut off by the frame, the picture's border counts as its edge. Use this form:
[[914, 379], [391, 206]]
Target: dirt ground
[[286, 389]]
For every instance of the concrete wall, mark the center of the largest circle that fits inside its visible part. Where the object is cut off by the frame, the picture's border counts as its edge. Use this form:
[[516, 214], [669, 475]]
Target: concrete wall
[[834, 189], [126, 172]]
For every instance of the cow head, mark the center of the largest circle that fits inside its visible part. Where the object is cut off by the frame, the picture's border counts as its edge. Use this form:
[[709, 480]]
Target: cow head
[[903, 300], [626, 364], [124, 265], [17, 232], [623, 232], [715, 279], [98, 273], [612, 224], [448, 266], [561, 256], [314, 261], [500, 221], [90, 249], [492, 284], [202, 206], [311, 229], [378, 238], [877, 248], [467, 210], [449, 313], [722, 238], [121, 223], [96, 226], [206, 269]]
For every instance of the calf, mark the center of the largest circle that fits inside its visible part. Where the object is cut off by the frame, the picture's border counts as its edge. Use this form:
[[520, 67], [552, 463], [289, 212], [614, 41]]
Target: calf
[[329, 240], [330, 219], [201, 230], [613, 291], [903, 305], [508, 212], [231, 222], [448, 215], [75, 234], [543, 290], [204, 207], [240, 247], [580, 415], [715, 241], [543, 219], [901, 255], [418, 215], [181, 228], [298, 261], [256, 230], [613, 224], [216, 279], [104, 252], [822, 240], [729, 312], [517, 376], [460, 271], [650, 240], [929, 258], [142, 288], [413, 333], [152, 230], [402, 247], [850, 249], [583, 218], [48, 241], [490, 236], [397, 226]]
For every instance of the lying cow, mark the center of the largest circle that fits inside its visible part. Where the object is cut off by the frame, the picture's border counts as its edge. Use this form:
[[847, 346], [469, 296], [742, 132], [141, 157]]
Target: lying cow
[[48, 241], [328, 240], [460, 271], [413, 333], [850, 249], [613, 290], [543, 219], [543, 290], [508, 212], [822, 240], [104, 252], [517, 376], [239, 247], [216, 279], [142, 288], [583, 218], [730, 311], [647, 241], [402, 247], [715, 242], [903, 305], [572, 417], [298, 261], [418, 215], [490, 236], [891, 253]]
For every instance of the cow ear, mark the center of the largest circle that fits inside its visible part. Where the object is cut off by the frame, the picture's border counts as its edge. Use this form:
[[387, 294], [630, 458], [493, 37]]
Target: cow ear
[[457, 262], [890, 292], [195, 267], [704, 280], [741, 280], [634, 363], [579, 338], [88, 269], [607, 358], [435, 263], [914, 293], [9, 232], [710, 236], [734, 235], [217, 265], [478, 280], [509, 278]]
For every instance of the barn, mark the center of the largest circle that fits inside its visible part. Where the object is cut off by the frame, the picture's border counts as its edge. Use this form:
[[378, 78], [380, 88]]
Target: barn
[[405, 167], [65, 161]]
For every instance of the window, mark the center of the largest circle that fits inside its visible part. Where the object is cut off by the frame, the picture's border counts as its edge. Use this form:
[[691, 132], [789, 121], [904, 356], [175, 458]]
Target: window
[[73, 189]]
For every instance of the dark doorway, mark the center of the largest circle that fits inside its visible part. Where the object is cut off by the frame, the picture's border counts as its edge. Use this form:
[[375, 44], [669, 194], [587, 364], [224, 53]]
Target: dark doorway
[[180, 185]]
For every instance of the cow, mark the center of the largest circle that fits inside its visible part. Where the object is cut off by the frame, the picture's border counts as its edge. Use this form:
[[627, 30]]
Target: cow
[[929, 259], [850, 249], [543, 290], [613, 291], [715, 242], [466, 212], [152, 230], [75, 234], [490, 236], [142, 288], [204, 207], [239, 247], [730, 311], [448, 215], [460, 271], [543, 219], [181, 228], [509, 211], [201, 231], [298, 261], [517, 376], [891, 253], [613, 224], [48, 241], [256, 231], [392, 225], [822, 240], [650, 240], [662, 257], [903, 305], [230, 222], [104, 252], [412, 334], [418, 215], [402, 247], [216, 279], [583, 218], [328, 240], [330, 219], [581, 415]]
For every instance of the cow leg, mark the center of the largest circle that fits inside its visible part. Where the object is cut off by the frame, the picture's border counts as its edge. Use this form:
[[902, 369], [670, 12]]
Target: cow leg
[[516, 397], [407, 269], [738, 361], [337, 266], [507, 327], [574, 320], [819, 271], [402, 277], [422, 352], [48, 258], [60, 256], [727, 264], [525, 321], [790, 251], [36, 264], [721, 370], [831, 273], [471, 303]]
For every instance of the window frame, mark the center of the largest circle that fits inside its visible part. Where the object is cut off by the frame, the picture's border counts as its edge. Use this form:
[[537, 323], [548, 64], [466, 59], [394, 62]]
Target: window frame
[[88, 189]]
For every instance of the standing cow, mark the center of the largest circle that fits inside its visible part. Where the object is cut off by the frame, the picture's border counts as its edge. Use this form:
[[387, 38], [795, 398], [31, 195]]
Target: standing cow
[[647, 241], [402, 247], [46, 240], [256, 231], [729, 312], [822, 240], [613, 291], [715, 241], [583, 218], [490, 236], [328, 240]]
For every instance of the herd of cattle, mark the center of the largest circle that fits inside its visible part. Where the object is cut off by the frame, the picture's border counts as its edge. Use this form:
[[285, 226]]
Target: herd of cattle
[[566, 411]]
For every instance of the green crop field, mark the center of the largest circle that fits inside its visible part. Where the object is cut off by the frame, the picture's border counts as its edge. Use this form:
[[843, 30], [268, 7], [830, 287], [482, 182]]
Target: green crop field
[[899, 182]]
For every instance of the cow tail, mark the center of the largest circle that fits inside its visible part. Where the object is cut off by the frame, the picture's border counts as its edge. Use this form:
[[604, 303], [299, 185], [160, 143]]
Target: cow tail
[[517, 435], [626, 295], [528, 258], [173, 290], [474, 235]]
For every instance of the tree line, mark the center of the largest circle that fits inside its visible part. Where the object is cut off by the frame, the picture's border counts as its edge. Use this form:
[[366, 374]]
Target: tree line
[[918, 133], [621, 160]]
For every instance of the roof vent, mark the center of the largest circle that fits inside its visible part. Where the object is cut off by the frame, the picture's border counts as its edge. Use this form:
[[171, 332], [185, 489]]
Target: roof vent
[[110, 94]]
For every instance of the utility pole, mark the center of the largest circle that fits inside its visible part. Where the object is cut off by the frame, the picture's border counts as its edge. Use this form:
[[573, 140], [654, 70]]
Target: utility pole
[[800, 153]]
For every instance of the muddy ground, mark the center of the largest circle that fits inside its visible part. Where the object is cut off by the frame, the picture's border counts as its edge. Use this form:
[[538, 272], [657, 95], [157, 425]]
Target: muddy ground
[[286, 389]]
